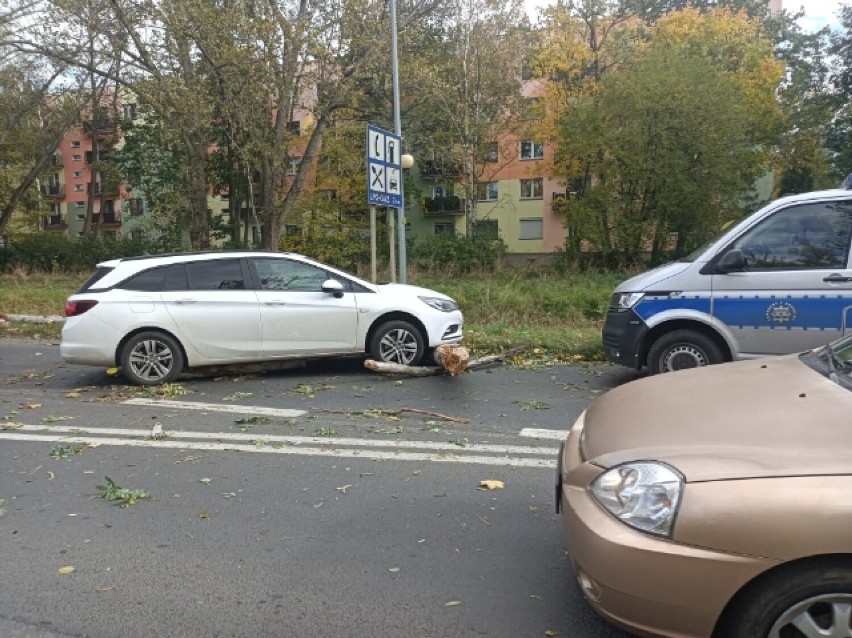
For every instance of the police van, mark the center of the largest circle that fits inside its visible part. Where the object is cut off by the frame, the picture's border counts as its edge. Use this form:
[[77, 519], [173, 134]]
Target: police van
[[777, 282]]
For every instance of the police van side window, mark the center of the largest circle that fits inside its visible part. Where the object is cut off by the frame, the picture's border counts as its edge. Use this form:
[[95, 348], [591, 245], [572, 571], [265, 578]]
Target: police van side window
[[810, 236]]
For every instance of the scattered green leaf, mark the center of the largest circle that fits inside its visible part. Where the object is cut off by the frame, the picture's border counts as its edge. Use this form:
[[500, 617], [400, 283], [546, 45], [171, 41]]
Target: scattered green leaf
[[121, 496], [64, 451]]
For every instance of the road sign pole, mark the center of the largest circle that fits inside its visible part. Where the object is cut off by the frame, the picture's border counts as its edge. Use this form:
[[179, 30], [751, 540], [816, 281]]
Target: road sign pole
[[372, 243], [397, 123]]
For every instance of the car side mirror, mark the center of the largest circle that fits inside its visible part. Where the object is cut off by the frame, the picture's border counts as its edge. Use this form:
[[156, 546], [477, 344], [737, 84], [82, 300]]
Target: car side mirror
[[731, 261], [333, 287]]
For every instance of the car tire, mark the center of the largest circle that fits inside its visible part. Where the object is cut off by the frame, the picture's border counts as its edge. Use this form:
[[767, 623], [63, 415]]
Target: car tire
[[817, 596], [682, 349], [151, 358], [398, 342]]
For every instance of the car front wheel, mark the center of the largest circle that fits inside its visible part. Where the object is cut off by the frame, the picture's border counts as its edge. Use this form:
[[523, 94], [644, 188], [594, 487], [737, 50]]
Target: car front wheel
[[397, 342], [150, 358], [813, 601], [682, 349]]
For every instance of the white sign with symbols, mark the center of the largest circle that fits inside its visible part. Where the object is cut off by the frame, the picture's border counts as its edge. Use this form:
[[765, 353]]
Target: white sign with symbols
[[384, 163]]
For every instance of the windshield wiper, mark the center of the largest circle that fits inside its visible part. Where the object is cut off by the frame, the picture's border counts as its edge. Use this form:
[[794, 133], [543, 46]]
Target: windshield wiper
[[832, 361]]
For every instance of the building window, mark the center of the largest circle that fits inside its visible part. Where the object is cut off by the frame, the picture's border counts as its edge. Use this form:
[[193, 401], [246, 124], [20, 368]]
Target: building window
[[530, 229], [293, 165], [75, 144], [77, 158], [532, 188], [531, 108], [486, 191], [437, 191], [531, 150], [329, 194], [80, 217], [486, 229], [292, 229], [130, 112], [79, 204], [446, 228], [255, 234], [78, 174], [490, 153], [78, 188], [294, 127]]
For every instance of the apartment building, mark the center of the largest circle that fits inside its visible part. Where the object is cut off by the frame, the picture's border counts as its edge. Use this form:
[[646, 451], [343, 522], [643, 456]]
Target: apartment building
[[515, 193]]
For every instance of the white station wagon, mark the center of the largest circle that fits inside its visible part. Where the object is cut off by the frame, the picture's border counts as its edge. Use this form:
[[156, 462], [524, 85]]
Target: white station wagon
[[154, 316]]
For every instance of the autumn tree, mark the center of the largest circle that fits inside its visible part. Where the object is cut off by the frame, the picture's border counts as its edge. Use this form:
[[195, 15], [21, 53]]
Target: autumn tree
[[672, 140]]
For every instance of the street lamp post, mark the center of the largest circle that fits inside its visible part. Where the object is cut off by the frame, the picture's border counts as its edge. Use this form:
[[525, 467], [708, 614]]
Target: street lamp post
[[397, 124]]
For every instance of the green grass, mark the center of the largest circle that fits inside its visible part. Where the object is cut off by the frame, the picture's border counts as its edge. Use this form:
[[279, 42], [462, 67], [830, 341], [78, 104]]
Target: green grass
[[552, 316]]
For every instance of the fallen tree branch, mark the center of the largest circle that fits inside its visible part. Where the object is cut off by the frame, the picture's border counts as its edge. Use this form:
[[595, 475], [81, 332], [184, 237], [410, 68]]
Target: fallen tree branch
[[427, 371], [398, 411]]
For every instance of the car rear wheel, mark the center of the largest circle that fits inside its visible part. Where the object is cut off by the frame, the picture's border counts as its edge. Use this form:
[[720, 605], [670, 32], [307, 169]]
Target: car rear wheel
[[398, 342], [682, 349], [150, 358], [812, 602]]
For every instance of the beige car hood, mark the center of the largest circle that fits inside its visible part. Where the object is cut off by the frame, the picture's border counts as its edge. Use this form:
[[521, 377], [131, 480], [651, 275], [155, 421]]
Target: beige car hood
[[762, 418]]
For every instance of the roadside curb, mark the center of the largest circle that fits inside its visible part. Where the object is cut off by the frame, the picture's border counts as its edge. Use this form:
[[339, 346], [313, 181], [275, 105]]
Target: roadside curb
[[4, 318]]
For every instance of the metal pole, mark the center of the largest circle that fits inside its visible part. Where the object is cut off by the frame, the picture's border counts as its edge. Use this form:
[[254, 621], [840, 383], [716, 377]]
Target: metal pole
[[392, 259], [372, 243], [397, 124]]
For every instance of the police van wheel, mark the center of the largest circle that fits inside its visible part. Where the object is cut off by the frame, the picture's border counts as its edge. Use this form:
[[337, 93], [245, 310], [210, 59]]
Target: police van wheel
[[682, 349]]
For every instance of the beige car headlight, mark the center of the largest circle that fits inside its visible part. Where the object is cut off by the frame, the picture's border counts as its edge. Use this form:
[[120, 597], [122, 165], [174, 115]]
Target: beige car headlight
[[644, 495]]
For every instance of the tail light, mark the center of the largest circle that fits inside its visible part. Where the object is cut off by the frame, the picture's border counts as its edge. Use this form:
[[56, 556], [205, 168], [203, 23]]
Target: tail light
[[74, 308]]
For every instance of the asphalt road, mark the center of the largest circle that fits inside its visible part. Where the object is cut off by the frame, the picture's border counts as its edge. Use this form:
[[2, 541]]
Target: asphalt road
[[327, 501]]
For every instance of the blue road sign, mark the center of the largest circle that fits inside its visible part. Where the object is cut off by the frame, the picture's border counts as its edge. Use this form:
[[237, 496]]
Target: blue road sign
[[384, 168]]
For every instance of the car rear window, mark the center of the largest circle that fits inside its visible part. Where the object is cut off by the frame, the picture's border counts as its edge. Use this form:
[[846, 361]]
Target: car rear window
[[166, 278], [95, 278]]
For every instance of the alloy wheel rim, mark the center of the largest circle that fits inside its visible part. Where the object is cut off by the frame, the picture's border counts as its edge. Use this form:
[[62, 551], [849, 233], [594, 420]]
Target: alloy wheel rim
[[398, 346], [151, 359], [824, 616]]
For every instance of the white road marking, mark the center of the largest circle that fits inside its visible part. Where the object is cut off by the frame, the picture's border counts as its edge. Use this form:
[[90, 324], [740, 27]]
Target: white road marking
[[216, 407], [535, 433], [306, 446]]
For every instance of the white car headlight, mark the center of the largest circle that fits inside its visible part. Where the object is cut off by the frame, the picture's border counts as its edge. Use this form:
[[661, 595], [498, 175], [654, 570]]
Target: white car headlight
[[439, 303], [644, 495], [625, 300]]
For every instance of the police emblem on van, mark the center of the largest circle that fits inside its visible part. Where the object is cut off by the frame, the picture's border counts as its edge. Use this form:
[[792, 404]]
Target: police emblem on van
[[781, 312]]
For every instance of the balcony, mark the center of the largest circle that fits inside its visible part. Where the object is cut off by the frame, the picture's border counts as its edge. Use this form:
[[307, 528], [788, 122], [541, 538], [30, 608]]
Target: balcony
[[105, 219], [107, 190], [53, 190], [439, 169], [55, 222], [103, 156], [448, 205], [57, 161]]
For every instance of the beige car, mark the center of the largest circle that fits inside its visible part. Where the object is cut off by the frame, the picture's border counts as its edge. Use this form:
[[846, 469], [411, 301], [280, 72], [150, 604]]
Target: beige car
[[717, 502]]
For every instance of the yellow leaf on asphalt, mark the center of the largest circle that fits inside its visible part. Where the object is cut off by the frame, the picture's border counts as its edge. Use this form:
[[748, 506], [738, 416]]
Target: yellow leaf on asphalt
[[66, 570], [72, 395], [112, 371], [492, 485], [204, 514], [453, 603], [550, 633], [30, 406]]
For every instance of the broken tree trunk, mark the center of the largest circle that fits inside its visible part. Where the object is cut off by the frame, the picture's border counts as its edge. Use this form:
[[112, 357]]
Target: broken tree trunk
[[454, 356], [453, 359]]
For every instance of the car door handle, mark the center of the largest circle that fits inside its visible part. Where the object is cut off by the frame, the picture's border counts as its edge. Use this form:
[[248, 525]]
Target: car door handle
[[275, 303], [185, 301], [837, 279]]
